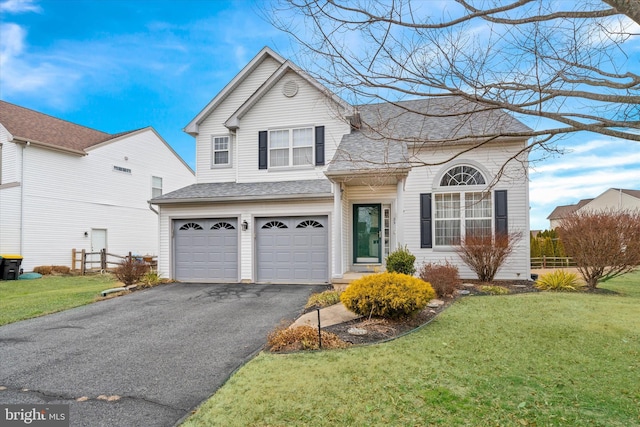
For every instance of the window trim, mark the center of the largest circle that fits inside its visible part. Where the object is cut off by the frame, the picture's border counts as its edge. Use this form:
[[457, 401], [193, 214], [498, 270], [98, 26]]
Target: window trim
[[229, 163], [291, 148]]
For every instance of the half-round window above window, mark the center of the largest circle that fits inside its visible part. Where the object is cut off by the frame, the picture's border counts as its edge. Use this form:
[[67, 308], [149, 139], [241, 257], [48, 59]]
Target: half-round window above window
[[222, 225], [275, 224], [310, 223], [462, 175], [191, 226]]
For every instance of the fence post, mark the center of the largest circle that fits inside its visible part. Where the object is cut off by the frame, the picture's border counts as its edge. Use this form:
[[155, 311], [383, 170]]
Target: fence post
[[103, 259], [73, 259], [83, 263], [544, 261]]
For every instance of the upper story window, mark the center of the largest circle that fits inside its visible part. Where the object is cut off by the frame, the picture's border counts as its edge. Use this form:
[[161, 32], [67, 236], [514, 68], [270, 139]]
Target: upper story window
[[291, 147], [221, 151], [156, 186], [462, 212]]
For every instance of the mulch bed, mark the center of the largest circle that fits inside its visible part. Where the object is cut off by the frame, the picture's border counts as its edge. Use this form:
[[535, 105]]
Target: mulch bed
[[379, 330]]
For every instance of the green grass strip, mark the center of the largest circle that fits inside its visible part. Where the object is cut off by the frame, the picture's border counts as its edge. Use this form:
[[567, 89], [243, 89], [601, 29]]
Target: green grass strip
[[24, 299]]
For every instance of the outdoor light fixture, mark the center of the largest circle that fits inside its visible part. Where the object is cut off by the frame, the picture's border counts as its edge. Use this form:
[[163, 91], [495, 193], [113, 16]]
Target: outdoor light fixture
[[86, 234], [245, 225]]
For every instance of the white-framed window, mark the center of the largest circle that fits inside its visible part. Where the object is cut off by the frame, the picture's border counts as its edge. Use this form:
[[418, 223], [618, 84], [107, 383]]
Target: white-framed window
[[221, 151], [291, 147], [466, 212], [156, 186]]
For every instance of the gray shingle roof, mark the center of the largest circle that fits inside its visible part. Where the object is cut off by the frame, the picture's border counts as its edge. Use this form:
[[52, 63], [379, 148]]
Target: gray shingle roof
[[228, 191], [389, 128]]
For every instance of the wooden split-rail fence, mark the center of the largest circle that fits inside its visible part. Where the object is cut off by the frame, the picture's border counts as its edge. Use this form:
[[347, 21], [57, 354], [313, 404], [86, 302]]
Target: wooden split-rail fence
[[103, 260]]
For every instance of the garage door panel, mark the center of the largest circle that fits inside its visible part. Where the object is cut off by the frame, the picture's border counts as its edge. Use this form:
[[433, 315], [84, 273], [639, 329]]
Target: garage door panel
[[206, 250], [292, 249]]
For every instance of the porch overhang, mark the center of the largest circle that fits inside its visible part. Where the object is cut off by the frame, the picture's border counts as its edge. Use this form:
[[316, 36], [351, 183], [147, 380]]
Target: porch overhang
[[388, 176]]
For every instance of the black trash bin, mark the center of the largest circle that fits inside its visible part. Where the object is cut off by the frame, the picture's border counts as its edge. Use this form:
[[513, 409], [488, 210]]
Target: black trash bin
[[10, 266]]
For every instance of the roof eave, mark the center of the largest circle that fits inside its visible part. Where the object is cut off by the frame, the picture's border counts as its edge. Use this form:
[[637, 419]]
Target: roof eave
[[225, 199], [28, 141]]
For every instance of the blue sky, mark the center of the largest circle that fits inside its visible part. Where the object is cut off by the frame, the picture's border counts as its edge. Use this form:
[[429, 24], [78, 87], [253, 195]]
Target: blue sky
[[118, 65]]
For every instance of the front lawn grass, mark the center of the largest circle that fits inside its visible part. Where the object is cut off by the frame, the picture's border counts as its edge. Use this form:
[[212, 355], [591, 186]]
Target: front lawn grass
[[24, 299], [543, 359]]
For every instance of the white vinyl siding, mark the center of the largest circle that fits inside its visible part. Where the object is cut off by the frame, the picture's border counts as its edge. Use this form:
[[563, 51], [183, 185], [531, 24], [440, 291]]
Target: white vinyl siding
[[58, 209]]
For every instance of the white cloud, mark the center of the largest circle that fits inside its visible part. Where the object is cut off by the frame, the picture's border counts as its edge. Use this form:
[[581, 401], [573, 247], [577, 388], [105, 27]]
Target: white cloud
[[19, 6]]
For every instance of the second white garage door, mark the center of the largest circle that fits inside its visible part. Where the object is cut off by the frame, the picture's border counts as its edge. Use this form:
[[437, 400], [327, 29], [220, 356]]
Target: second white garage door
[[292, 249]]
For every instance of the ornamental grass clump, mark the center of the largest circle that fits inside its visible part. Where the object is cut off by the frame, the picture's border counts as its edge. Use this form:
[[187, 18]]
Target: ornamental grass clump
[[559, 281], [388, 295], [494, 290], [302, 338], [323, 299]]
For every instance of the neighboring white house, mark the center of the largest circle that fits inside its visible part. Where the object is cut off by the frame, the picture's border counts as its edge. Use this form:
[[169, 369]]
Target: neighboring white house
[[612, 199], [65, 186], [295, 186]]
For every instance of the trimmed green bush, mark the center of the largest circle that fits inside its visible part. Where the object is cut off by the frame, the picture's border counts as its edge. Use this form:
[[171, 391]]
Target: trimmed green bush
[[401, 261], [559, 281], [389, 295]]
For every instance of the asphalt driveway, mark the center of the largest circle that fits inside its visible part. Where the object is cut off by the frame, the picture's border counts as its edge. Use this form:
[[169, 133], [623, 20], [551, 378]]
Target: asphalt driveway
[[145, 359]]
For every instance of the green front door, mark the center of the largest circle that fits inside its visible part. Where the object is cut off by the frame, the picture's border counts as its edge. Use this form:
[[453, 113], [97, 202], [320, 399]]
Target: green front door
[[366, 234]]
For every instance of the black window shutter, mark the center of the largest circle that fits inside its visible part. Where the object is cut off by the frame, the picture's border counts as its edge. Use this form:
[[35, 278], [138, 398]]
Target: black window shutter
[[263, 149], [426, 240], [319, 145], [502, 224]]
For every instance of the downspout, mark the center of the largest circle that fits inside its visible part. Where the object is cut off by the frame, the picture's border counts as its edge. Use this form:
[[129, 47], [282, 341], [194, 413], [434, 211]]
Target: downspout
[[152, 209], [24, 147]]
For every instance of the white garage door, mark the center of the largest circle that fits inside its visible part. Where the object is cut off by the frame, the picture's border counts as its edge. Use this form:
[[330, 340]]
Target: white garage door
[[206, 250], [292, 249]]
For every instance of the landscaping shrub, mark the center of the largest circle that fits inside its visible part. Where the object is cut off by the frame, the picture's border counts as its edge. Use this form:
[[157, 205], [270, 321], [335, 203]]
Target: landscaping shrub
[[486, 254], [401, 261], [130, 271], [494, 290], [323, 299], [444, 278], [603, 244], [51, 269], [43, 269], [389, 295], [560, 281], [150, 278], [302, 338], [60, 269]]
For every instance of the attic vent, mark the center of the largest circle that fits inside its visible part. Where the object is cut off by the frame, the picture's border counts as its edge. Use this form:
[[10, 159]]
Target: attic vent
[[290, 88]]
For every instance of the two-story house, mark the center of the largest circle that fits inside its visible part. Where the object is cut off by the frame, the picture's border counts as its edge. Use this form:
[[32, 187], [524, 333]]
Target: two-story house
[[66, 186], [295, 185]]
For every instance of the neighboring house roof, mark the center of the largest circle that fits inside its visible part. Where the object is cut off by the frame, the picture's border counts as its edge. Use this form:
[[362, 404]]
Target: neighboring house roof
[[29, 125], [632, 193], [561, 211], [227, 191], [387, 130]]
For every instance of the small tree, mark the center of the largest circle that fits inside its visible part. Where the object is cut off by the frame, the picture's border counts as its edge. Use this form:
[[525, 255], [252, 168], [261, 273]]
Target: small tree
[[486, 254], [130, 271], [603, 244]]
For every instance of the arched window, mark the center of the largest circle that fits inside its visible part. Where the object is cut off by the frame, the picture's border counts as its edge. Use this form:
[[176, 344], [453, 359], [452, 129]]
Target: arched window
[[274, 224], [461, 213], [222, 225], [191, 226], [309, 223], [462, 175]]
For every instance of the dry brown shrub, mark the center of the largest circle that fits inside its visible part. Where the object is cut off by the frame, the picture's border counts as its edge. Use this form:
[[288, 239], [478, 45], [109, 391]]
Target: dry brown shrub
[[43, 269], [603, 244], [486, 254], [301, 338], [444, 278], [60, 269]]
